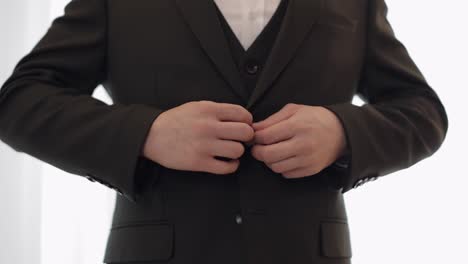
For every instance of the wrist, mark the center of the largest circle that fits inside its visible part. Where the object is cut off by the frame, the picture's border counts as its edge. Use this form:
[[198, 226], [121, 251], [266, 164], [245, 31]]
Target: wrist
[[153, 132]]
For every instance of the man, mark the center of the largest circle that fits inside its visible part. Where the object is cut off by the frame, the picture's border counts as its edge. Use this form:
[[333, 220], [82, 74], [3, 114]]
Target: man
[[225, 144]]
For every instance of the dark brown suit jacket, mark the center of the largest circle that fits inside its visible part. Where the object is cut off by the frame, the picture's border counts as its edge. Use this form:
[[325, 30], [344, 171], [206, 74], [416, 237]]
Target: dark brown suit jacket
[[152, 55]]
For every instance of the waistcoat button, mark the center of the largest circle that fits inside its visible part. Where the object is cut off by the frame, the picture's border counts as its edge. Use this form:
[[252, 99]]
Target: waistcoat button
[[251, 67]]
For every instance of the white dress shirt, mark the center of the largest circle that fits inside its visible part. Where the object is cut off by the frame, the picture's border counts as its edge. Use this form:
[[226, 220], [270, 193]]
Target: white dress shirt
[[247, 18]]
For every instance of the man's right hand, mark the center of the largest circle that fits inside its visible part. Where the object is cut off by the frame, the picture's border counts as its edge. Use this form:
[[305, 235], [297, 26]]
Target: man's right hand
[[189, 136]]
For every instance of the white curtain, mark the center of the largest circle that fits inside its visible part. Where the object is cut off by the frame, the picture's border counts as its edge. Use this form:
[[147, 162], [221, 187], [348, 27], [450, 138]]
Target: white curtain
[[417, 215], [48, 215]]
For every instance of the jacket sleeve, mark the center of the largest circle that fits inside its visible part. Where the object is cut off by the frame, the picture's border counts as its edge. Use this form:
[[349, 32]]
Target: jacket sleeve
[[47, 111], [402, 121]]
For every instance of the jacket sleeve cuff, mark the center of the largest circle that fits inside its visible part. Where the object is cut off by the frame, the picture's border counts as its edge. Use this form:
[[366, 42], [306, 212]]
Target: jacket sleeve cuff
[[128, 170], [344, 171]]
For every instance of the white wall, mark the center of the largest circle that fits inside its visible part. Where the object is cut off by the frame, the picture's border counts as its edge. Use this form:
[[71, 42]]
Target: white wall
[[47, 215], [419, 215], [20, 24]]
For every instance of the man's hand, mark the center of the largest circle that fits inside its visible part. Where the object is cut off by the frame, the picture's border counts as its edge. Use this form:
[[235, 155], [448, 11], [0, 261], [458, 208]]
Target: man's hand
[[299, 140], [189, 136]]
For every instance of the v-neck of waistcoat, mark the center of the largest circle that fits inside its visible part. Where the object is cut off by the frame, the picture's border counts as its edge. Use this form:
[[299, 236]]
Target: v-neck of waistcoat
[[262, 32]]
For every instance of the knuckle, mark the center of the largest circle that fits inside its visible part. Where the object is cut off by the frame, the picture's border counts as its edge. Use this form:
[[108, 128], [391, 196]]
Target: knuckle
[[268, 158], [197, 147], [296, 126], [205, 102], [206, 106], [193, 103], [302, 161], [246, 115], [200, 104], [262, 137], [299, 146], [314, 170], [267, 138], [233, 167], [260, 154], [202, 148], [213, 167], [226, 111], [197, 127], [290, 105], [206, 127], [197, 162], [216, 128], [311, 144], [227, 167], [247, 132], [275, 167], [238, 150], [292, 123]]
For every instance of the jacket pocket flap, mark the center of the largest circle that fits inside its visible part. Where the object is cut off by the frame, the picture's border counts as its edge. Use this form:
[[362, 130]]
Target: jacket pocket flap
[[335, 239], [140, 242]]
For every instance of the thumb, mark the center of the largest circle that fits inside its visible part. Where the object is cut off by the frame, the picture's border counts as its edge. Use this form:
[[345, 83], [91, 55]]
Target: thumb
[[284, 113]]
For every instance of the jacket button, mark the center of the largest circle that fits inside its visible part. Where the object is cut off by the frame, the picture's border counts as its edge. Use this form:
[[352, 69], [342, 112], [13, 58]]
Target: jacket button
[[238, 219], [88, 176], [358, 183], [251, 67]]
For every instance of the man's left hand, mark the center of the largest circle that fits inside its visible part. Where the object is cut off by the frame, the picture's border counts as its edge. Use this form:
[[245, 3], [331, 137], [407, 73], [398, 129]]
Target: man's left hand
[[299, 140]]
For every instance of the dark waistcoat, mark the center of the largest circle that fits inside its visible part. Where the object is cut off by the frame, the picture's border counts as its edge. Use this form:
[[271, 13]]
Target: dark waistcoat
[[250, 62]]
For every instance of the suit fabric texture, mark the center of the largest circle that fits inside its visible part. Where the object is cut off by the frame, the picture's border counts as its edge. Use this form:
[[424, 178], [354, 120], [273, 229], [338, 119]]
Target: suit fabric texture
[[151, 56]]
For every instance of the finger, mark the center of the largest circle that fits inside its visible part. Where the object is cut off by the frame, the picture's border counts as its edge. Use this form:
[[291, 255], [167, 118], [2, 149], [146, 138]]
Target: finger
[[233, 112], [216, 166], [287, 164], [282, 114], [299, 172], [226, 148], [277, 132], [274, 152], [234, 131]]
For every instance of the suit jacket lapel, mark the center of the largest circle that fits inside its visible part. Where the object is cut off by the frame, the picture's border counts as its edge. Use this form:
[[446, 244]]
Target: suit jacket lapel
[[298, 19], [202, 19]]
